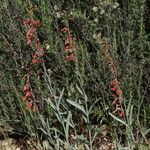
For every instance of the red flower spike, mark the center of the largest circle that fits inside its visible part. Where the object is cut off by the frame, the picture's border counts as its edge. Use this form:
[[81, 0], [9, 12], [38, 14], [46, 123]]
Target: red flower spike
[[68, 44], [37, 57]]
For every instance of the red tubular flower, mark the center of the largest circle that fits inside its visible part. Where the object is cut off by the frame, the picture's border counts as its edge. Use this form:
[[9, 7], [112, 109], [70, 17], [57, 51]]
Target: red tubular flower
[[114, 82], [24, 88], [29, 105], [68, 48], [35, 61], [35, 56], [27, 21], [113, 89], [64, 30], [28, 93]]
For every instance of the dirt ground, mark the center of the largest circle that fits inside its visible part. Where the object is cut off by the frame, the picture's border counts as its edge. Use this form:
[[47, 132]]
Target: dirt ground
[[11, 144]]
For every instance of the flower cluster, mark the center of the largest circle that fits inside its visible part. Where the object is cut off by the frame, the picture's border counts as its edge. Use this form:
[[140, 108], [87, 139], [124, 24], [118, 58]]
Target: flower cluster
[[68, 44], [32, 38], [28, 93], [31, 32], [116, 93]]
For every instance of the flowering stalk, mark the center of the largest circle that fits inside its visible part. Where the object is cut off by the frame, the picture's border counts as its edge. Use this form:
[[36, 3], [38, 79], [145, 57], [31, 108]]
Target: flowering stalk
[[31, 38], [116, 93]]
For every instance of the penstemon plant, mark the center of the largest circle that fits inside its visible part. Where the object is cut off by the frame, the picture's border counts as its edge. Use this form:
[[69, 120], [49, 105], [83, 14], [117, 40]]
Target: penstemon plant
[[32, 38]]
